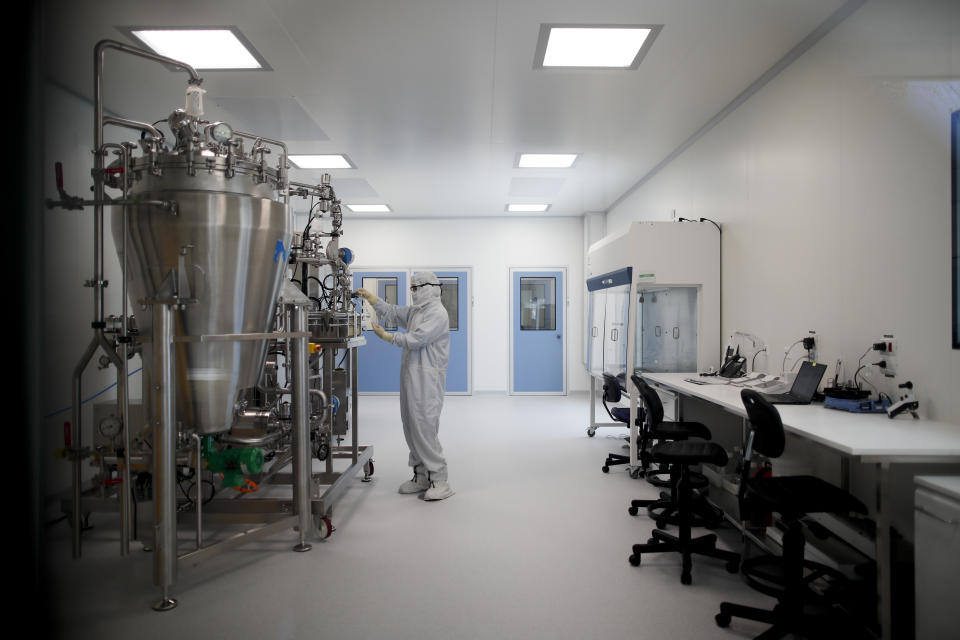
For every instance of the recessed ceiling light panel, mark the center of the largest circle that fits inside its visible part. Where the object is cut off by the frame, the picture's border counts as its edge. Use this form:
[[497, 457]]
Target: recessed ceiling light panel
[[321, 161], [369, 208], [593, 46], [527, 208], [546, 160], [203, 48]]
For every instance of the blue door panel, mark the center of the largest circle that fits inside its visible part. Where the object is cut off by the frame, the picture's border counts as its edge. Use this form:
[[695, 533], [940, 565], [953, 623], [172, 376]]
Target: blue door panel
[[537, 351], [458, 374], [378, 363]]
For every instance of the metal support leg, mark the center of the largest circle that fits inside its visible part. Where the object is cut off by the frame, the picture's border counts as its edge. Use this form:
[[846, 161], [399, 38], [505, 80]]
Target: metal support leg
[[198, 474], [302, 471], [593, 403], [75, 443], [164, 458], [354, 419]]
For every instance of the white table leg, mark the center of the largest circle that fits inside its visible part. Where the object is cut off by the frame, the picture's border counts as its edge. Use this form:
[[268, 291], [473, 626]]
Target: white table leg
[[884, 585]]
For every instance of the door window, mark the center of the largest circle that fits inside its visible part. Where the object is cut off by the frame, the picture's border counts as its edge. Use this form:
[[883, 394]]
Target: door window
[[450, 298], [538, 304], [386, 290]]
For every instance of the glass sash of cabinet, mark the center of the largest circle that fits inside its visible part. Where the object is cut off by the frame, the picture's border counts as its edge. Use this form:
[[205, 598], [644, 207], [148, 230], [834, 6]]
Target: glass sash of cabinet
[[666, 339], [607, 319]]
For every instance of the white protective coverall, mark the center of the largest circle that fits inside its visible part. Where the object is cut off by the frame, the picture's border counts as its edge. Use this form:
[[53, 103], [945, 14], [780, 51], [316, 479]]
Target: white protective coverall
[[423, 371]]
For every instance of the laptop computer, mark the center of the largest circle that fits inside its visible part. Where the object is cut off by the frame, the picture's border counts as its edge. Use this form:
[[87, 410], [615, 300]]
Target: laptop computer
[[804, 386]]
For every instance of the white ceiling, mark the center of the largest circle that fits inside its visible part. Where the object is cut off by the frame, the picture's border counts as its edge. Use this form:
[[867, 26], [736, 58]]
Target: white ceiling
[[433, 99]]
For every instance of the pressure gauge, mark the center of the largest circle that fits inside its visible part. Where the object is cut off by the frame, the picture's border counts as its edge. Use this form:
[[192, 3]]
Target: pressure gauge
[[110, 427], [221, 132]]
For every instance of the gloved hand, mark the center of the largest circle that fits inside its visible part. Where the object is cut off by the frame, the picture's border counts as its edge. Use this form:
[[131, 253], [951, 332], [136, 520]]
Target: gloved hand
[[366, 295], [381, 333]]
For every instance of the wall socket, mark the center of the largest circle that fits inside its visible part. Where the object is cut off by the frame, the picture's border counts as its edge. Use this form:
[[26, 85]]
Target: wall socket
[[888, 354]]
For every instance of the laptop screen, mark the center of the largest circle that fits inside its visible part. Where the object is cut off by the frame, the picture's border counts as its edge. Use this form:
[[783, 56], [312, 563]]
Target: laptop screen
[[808, 379]]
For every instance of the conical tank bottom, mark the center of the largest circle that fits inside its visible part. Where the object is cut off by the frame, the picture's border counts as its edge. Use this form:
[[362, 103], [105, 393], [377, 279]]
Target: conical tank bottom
[[234, 257]]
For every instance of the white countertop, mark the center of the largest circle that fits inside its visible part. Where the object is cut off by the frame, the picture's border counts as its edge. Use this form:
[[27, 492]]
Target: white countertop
[[949, 485], [857, 434]]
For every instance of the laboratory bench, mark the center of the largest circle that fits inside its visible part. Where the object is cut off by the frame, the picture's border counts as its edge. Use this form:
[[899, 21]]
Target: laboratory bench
[[866, 438]]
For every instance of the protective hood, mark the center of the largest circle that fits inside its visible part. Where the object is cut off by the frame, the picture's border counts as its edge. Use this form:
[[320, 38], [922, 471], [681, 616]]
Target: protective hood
[[424, 294]]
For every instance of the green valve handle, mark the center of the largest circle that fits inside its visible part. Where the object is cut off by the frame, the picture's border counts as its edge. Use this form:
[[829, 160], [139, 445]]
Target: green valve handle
[[234, 464]]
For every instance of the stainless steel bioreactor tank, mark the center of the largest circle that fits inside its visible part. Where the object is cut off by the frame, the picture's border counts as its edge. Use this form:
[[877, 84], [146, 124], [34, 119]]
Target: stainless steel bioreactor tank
[[247, 379], [228, 244]]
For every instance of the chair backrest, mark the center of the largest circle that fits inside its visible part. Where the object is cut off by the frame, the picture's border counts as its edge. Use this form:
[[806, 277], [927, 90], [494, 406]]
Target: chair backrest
[[611, 388], [765, 423], [650, 400]]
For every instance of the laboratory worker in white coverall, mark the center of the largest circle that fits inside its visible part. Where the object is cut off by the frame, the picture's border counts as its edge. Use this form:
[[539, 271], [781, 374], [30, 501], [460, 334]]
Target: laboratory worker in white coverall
[[423, 376]]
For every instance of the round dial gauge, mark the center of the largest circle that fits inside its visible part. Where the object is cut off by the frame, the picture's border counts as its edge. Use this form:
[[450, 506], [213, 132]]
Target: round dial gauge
[[221, 132], [110, 427]]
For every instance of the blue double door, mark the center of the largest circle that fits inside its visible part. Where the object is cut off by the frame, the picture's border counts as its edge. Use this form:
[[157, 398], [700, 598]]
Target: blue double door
[[537, 332], [378, 368]]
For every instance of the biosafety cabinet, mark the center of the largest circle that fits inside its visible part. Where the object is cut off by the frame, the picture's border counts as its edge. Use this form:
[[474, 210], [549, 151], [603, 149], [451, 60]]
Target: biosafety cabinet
[[653, 304]]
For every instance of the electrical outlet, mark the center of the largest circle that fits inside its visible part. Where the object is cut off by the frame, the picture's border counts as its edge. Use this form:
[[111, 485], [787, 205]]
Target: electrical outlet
[[812, 335], [886, 348]]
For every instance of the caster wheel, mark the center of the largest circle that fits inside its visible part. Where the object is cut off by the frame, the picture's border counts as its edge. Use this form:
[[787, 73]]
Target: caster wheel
[[325, 527], [634, 560], [605, 469], [591, 432], [733, 566], [651, 541], [661, 524], [685, 578], [632, 511], [723, 620], [367, 470]]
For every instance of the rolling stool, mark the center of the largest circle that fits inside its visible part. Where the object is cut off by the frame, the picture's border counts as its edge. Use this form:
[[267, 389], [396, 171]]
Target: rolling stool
[[685, 453], [664, 510], [788, 578], [611, 393]]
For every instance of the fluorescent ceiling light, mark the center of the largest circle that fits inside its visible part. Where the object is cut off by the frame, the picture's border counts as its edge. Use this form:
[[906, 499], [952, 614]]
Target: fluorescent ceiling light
[[322, 161], [213, 48], [547, 160], [527, 208], [369, 208], [594, 46]]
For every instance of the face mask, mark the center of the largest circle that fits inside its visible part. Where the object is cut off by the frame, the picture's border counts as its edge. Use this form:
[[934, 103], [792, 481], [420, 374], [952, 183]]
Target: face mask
[[420, 295]]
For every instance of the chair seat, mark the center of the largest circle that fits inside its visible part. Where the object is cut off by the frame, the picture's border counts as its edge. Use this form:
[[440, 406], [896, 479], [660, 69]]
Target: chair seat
[[801, 494], [680, 431], [689, 452], [621, 414]]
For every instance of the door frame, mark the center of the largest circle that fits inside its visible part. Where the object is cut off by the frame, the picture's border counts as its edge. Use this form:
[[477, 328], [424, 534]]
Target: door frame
[[469, 270], [410, 271], [564, 270]]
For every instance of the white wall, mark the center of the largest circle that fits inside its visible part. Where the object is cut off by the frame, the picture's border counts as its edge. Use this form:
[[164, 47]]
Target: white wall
[[491, 246], [832, 185]]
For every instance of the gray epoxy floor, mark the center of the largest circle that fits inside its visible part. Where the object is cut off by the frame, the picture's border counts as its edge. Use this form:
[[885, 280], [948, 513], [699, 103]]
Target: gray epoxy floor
[[533, 545]]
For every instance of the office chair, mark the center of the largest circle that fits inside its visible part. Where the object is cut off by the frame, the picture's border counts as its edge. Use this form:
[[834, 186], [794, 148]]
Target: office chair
[[612, 394], [664, 510], [788, 578], [680, 455]]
